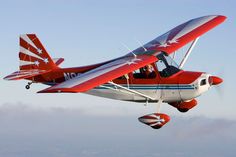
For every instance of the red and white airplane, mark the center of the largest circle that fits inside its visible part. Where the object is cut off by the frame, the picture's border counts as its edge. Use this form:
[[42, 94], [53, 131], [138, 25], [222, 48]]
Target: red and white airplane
[[146, 74]]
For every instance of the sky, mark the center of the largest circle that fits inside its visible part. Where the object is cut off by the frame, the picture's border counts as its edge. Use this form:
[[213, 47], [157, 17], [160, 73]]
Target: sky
[[87, 32]]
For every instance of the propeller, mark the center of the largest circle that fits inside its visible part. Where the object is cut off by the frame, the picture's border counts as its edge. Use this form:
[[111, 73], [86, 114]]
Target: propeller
[[218, 84]]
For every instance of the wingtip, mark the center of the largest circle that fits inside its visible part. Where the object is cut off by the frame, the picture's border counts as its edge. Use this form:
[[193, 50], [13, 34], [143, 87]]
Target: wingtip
[[7, 78], [223, 17]]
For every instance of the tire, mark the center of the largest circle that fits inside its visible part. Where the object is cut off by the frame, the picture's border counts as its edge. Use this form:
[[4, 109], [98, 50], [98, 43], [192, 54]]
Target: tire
[[182, 109], [27, 87]]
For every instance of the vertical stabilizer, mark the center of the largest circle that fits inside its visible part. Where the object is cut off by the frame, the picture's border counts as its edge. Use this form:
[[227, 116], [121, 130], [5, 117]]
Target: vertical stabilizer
[[33, 55]]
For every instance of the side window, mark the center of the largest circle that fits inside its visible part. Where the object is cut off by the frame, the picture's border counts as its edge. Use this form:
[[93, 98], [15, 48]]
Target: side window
[[166, 65], [147, 72], [139, 73], [161, 65]]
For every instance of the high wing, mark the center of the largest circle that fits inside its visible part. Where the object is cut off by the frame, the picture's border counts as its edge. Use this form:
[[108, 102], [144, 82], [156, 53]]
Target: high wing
[[168, 42], [102, 74], [180, 35], [24, 74]]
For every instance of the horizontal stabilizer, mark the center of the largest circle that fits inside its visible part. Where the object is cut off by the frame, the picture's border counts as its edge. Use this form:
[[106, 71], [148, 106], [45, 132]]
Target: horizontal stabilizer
[[24, 74], [58, 61]]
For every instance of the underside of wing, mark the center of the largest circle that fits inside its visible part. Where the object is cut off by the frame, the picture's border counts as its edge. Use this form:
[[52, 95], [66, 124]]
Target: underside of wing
[[180, 35], [24, 74], [102, 74]]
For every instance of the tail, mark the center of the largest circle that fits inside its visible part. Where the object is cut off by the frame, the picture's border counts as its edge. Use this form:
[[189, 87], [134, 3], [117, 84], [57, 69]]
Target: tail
[[33, 55], [34, 59]]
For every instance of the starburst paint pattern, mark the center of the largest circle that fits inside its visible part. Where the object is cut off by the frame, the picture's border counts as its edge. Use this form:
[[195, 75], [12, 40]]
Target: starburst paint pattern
[[32, 54]]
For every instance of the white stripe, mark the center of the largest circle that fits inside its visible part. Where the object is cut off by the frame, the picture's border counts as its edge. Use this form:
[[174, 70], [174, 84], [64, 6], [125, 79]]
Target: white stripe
[[157, 123], [22, 63], [36, 71], [28, 40], [145, 120], [27, 52], [193, 25], [25, 73]]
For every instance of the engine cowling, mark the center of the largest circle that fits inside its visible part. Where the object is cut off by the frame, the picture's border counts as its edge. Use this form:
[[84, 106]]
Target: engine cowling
[[155, 120], [184, 106]]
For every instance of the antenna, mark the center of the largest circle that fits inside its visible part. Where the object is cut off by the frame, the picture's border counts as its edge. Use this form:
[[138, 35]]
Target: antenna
[[126, 47], [129, 49], [141, 44]]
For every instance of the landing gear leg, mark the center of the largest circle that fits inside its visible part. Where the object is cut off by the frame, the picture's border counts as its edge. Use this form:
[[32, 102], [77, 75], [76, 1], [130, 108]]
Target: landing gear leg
[[28, 85], [159, 105]]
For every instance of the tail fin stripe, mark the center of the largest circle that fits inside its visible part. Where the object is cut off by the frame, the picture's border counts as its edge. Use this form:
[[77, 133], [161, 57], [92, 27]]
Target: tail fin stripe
[[30, 48], [39, 46], [29, 53], [28, 40], [23, 63], [24, 57], [33, 55]]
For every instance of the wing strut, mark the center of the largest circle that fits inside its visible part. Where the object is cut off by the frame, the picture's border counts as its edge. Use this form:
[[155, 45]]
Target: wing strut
[[132, 91], [188, 53]]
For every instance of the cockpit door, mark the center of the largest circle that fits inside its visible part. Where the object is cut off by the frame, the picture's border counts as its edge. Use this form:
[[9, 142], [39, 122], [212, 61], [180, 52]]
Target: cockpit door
[[145, 80], [169, 83]]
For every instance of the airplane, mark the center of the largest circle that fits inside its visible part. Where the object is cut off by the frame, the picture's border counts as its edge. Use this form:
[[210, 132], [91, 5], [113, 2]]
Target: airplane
[[147, 74]]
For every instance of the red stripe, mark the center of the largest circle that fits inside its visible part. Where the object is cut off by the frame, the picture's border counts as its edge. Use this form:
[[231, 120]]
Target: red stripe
[[27, 46], [37, 42], [28, 58]]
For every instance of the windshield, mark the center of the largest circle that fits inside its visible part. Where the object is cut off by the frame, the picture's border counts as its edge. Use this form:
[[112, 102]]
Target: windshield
[[166, 65]]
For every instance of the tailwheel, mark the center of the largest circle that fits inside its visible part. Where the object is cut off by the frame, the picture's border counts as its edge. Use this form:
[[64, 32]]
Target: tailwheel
[[28, 85]]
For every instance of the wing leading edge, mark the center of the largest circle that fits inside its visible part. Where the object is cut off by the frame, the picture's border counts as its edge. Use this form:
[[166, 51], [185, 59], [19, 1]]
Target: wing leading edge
[[102, 74]]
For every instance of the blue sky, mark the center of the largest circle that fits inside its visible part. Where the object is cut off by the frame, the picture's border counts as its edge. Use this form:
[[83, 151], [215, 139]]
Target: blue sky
[[87, 32]]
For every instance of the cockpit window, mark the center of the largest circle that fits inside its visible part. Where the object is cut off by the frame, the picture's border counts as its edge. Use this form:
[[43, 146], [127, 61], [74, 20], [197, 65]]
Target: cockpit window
[[166, 65], [146, 72], [203, 82]]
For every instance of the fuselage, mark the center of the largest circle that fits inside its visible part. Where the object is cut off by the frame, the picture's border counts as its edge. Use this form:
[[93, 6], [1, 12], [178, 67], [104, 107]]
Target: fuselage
[[181, 86]]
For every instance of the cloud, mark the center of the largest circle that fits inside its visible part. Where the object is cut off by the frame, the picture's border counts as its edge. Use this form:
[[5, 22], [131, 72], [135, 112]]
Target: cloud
[[66, 132]]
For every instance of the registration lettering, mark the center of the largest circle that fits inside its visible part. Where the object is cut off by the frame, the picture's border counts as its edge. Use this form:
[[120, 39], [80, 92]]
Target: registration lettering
[[69, 76]]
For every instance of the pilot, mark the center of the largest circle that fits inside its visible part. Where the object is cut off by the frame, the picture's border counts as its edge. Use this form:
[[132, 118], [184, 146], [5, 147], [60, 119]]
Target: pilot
[[149, 71]]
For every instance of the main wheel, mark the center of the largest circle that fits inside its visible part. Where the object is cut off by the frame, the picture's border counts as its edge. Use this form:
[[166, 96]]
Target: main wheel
[[182, 109]]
